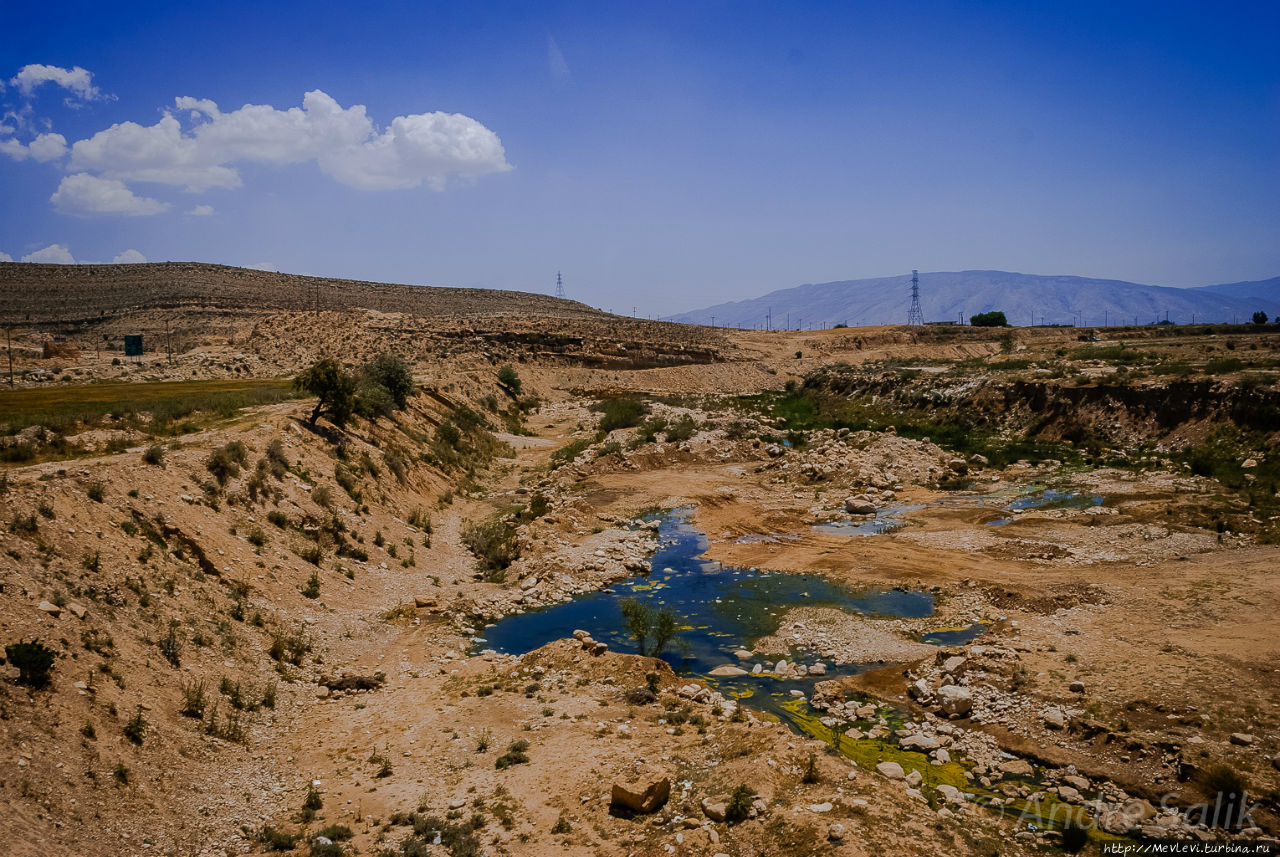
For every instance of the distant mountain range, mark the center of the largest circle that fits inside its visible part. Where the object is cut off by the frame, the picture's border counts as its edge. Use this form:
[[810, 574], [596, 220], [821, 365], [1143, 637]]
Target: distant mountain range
[[1023, 298]]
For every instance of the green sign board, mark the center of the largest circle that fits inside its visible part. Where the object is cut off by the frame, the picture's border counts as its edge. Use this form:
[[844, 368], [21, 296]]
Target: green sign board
[[133, 345]]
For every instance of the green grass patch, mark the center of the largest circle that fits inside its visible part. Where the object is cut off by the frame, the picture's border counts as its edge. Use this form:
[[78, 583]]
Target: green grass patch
[[61, 408]]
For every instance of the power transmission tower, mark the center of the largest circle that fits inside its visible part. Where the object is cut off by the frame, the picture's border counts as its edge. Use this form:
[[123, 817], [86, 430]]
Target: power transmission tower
[[915, 315], [559, 285]]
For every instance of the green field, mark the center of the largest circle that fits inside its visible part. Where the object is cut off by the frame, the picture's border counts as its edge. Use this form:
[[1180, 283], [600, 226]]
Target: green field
[[63, 407]]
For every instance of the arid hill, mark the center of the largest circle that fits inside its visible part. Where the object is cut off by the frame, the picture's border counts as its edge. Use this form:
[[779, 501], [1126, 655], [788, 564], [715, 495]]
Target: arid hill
[[70, 293]]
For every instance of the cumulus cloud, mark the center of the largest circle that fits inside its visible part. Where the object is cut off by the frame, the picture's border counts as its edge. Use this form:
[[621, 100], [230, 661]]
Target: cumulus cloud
[[129, 257], [45, 147], [54, 254], [415, 150], [201, 211], [85, 194], [5, 257], [264, 266], [77, 81]]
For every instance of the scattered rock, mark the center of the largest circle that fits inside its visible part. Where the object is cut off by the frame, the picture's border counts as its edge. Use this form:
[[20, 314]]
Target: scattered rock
[[714, 810], [49, 607], [950, 794], [1243, 739], [1017, 767], [919, 742], [1077, 687], [1055, 719], [955, 700], [820, 807], [892, 770], [640, 795], [835, 832], [77, 609], [914, 779], [728, 670]]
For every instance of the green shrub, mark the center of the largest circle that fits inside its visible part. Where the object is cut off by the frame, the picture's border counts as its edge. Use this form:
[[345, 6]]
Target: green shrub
[[277, 840], [567, 453], [136, 729], [493, 543], [257, 537], [312, 589], [279, 519], [154, 455], [994, 318], [323, 496], [620, 413], [643, 623], [508, 378], [95, 490], [393, 376], [288, 647], [333, 386], [193, 700], [34, 661], [225, 462], [739, 806], [515, 755], [1226, 791], [171, 645]]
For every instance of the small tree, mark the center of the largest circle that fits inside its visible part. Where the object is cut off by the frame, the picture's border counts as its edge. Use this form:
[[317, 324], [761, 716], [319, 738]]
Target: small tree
[[335, 388], [508, 378], [393, 375], [643, 623], [1259, 317], [995, 318], [33, 659]]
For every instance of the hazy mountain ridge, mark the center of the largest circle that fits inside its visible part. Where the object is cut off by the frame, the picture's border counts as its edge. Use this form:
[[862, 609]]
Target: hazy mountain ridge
[[1024, 298]]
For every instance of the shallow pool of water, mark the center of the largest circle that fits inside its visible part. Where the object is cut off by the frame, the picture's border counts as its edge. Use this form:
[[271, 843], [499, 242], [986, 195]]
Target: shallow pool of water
[[1048, 498], [723, 608], [885, 520]]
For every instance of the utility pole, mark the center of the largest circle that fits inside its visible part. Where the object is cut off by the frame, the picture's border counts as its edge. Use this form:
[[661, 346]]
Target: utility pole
[[168, 340], [713, 321], [914, 314], [768, 320]]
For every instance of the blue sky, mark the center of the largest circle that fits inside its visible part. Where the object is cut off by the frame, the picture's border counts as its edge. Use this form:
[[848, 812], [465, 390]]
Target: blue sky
[[663, 156]]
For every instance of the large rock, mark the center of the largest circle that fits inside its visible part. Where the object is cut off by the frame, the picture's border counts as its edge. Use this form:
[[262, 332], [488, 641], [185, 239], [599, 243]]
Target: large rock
[[953, 664], [859, 506], [714, 810], [642, 795], [954, 699], [1017, 768], [892, 770], [728, 670], [49, 607], [1055, 719], [918, 742], [950, 794], [1241, 738]]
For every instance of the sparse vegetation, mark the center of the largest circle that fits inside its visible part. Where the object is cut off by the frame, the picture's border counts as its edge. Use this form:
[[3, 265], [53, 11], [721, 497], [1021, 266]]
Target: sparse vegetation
[[34, 661], [515, 755], [494, 545], [644, 623]]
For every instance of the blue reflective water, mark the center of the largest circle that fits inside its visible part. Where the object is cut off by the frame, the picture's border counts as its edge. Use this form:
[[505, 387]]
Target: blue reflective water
[[885, 520], [723, 608], [1049, 498]]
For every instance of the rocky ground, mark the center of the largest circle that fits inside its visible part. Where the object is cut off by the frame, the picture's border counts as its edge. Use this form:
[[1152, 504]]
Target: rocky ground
[[281, 661]]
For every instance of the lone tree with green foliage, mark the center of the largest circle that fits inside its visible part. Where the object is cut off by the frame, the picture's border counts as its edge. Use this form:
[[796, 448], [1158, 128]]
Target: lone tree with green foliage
[[644, 623], [391, 374], [508, 378], [995, 318], [1259, 317], [335, 388], [33, 659]]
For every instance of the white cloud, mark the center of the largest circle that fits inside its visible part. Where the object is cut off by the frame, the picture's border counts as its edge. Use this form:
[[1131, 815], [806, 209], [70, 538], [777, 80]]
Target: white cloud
[[85, 194], [201, 211], [426, 148], [45, 147], [77, 81], [5, 257], [54, 254], [129, 257], [263, 266]]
